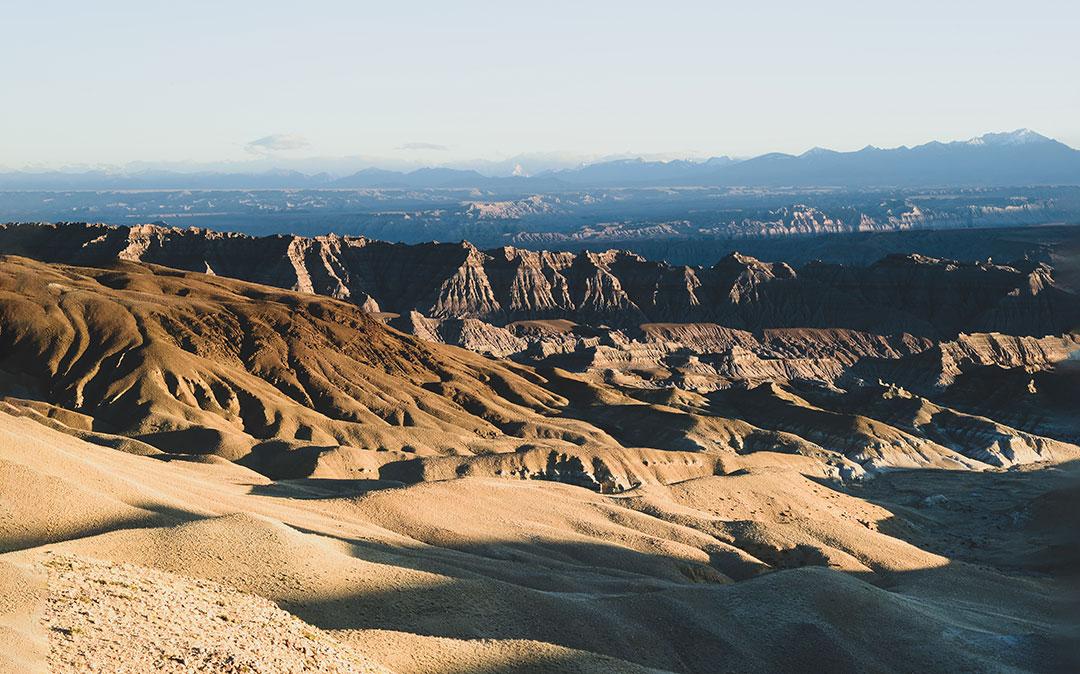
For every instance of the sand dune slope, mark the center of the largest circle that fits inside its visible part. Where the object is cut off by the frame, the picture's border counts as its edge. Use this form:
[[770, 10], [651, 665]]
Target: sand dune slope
[[724, 572]]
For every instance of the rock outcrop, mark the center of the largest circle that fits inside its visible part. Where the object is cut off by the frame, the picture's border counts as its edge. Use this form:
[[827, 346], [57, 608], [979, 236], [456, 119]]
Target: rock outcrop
[[151, 359], [900, 294]]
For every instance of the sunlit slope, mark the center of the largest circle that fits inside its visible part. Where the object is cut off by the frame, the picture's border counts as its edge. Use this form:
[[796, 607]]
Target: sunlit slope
[[762, 570]]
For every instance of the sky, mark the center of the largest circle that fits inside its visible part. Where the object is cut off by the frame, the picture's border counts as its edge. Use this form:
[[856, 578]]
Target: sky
[[111, 82]]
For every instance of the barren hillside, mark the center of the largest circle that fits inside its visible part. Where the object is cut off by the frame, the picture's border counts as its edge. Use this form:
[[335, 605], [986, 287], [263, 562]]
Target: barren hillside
[[691, 494]]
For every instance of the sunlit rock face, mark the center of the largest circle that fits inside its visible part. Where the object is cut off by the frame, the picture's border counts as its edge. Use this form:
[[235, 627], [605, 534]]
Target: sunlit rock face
[[911, 294]]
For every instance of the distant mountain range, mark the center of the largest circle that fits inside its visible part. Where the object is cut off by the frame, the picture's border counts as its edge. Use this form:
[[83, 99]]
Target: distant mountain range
[[1017, 158]]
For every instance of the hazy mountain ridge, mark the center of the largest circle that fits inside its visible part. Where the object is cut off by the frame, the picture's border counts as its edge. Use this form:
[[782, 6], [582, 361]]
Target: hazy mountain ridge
[[1016, 158]]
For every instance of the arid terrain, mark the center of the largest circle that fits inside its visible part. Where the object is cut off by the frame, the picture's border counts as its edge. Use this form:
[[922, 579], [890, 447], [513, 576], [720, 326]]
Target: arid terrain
[[230, 453]]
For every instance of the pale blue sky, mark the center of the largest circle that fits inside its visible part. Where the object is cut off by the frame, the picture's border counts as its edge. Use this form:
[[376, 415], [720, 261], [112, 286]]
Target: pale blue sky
[[113, 82]]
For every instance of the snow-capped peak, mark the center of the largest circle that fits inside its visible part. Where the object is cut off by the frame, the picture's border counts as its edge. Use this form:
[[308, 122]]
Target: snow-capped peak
[[1018, 137]]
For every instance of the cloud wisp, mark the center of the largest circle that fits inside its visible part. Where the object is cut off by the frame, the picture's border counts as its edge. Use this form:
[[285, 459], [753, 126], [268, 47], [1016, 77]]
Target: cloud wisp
[[423, 146], [278, 142]]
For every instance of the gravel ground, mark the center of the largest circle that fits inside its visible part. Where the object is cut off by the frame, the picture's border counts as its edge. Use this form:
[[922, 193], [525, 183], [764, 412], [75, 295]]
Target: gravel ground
[[106, 617]]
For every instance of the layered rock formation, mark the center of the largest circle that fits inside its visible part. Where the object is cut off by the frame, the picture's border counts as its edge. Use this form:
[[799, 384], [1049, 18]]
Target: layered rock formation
[[609, 487], [913, 294], [150, 359]]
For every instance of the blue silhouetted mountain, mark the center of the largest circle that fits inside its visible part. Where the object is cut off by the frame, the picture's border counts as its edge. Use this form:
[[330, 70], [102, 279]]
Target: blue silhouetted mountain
[[1021, 157], [1017, 158]]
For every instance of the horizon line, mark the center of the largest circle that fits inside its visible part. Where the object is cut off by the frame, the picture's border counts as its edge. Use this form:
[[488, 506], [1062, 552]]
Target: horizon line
[[570, 160]]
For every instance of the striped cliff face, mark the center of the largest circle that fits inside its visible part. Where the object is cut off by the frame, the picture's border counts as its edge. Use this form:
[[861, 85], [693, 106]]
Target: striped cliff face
[[911, 294]]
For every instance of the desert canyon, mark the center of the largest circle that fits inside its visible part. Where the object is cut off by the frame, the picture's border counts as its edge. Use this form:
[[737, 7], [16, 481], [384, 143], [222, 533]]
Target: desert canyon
[[230, 453]]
